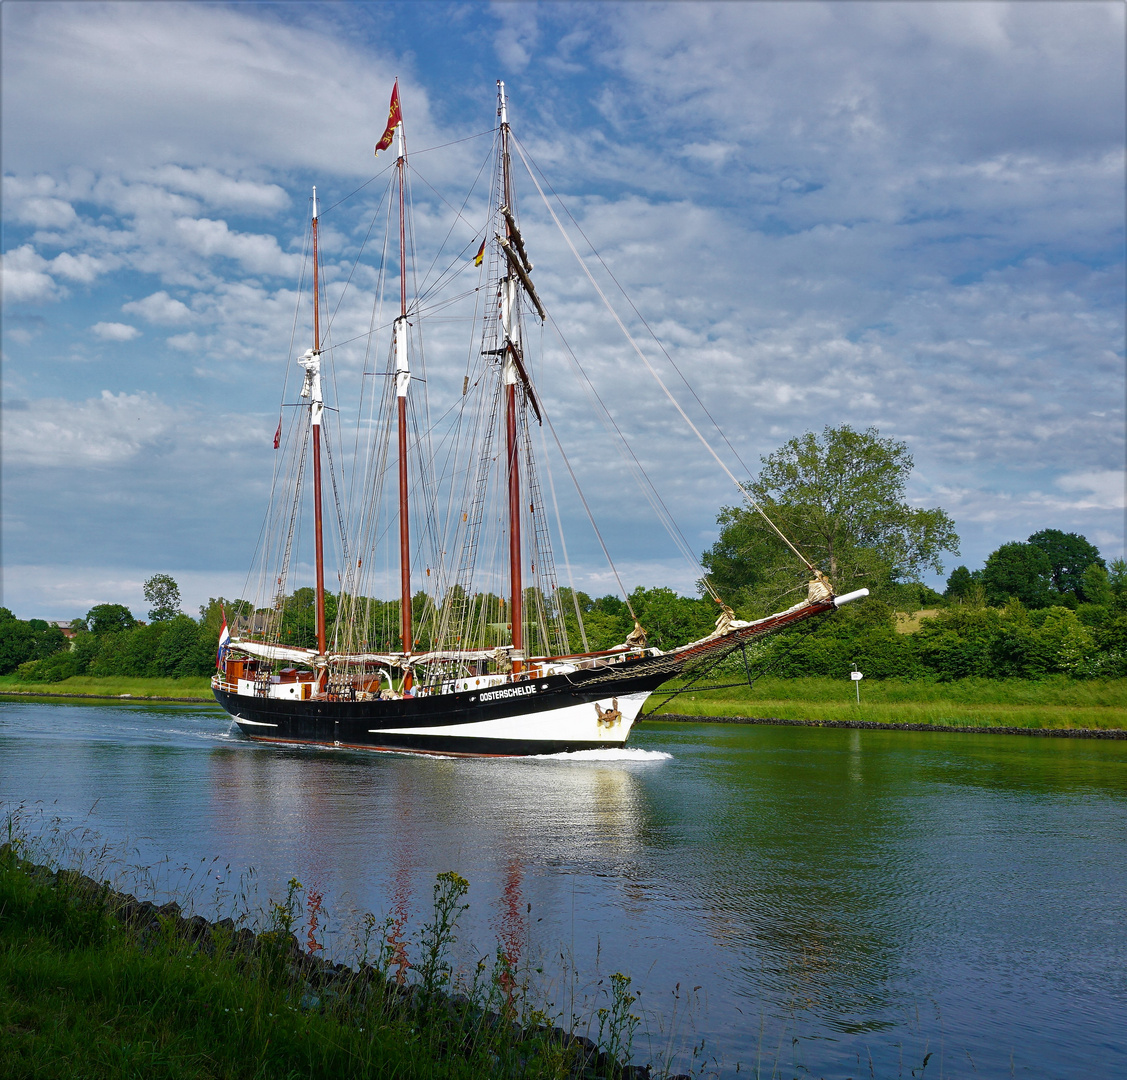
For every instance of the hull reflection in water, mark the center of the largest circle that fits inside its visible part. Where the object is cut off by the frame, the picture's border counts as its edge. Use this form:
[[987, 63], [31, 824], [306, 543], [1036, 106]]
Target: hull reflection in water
[[355, 818]]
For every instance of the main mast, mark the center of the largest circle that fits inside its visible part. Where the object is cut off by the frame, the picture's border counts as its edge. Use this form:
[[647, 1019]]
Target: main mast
[[402, 382], [512, 457]]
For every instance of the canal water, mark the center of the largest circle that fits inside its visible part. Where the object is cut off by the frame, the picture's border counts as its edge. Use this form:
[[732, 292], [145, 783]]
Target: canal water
[[797, 901]]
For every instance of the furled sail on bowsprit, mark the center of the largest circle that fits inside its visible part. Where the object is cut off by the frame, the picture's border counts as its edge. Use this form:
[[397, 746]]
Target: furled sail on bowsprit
[[479, 653]]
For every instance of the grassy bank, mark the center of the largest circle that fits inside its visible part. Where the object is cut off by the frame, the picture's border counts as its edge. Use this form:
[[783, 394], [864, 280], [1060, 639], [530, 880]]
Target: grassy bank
[[97, 984], [83, 685], [1050, 703]]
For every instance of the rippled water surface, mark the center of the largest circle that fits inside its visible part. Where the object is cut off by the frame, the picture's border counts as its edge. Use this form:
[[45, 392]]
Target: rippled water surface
[[846, 901]]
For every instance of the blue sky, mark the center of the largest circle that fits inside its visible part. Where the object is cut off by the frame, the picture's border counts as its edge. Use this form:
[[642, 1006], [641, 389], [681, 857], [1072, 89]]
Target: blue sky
[[902, 215]]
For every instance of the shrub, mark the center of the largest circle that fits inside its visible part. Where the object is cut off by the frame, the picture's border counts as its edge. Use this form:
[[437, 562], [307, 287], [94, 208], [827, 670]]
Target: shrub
[[956, 644], [62, 665]]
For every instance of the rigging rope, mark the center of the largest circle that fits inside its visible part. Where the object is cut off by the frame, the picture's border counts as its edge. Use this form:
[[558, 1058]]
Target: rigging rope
[[649, 367], [591, 518]]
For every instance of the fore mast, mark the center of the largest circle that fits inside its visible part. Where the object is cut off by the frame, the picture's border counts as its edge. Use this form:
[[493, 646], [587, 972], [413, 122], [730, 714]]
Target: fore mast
[[402, 382]]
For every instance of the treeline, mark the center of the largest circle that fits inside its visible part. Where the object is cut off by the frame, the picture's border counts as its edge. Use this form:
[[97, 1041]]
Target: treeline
[[1049, 605], [1046, 606], [965, 637], [109, 641], [1080, 634]]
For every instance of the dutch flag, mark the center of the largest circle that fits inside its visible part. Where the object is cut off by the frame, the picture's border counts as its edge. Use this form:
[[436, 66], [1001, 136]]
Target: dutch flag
[[224, 638]]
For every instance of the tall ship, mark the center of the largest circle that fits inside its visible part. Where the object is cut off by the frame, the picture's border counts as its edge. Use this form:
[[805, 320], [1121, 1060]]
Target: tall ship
[[483, 652]]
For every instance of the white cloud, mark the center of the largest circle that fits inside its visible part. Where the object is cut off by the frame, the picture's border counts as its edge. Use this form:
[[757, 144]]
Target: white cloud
[[189, 342], [81, 267], [107, 430], [256, 253], [517, 34], [25, 276], [1103, 490], [219, 189], [45, 213], [142, 85], [115, 331], [160, 308]]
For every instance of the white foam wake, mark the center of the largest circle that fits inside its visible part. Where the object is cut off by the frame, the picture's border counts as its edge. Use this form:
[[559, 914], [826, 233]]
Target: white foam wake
[[612, 753]]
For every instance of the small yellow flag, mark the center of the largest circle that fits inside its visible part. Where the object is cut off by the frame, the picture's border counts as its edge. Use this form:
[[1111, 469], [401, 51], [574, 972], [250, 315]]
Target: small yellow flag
[[480, 254]]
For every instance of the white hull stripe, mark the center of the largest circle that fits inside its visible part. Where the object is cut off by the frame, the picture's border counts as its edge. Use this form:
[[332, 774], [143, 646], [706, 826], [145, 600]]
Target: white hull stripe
[[571, 723]]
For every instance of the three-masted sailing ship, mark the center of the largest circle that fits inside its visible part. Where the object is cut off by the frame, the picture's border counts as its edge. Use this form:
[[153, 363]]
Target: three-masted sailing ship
[[492, 672]]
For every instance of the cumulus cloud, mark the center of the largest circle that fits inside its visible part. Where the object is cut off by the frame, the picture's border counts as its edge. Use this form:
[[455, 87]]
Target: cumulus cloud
[[115, 331], [258, 254], [219, 189], [107, 430], [25, 276], [160, 308], [517, 34], [1104, 490], [82, 267], [45, 213]]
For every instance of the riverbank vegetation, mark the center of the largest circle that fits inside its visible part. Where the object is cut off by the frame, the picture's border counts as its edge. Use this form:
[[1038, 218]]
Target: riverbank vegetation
[[1059, 702], [195, 688], [96, 983]]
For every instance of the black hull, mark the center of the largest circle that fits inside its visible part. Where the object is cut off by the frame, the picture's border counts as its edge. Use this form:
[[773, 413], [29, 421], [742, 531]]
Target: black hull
[[533, 707]]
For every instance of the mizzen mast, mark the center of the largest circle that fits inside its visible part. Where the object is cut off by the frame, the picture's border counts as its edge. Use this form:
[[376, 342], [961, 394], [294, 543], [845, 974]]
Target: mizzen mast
[[511, 377]]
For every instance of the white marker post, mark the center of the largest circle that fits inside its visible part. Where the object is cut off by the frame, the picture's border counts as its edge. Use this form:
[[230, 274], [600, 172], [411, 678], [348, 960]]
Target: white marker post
[[856, 676]]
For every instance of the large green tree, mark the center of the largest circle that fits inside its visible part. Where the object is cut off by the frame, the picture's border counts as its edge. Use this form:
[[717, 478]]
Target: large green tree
[[963, 583], [1069, 555], [1018, 572], [109, 618], [840, 498], [162, 594]]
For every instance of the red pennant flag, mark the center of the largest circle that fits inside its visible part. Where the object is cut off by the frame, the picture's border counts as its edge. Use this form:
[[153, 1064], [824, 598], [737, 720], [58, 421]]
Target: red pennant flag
[[393, 119], [278, 434]]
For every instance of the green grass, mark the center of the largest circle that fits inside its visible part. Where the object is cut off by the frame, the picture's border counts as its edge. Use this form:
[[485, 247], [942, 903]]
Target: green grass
[[114, 686], [1050, 703], [93, 987]]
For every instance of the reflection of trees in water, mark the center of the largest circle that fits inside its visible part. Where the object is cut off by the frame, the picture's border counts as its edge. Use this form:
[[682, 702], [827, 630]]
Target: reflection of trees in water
[[1025, 764], [798, 864]]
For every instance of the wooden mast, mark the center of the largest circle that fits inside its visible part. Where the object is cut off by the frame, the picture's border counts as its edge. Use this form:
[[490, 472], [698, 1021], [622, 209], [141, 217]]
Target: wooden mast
[[511, 375], [316, 408], [402, 382]]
